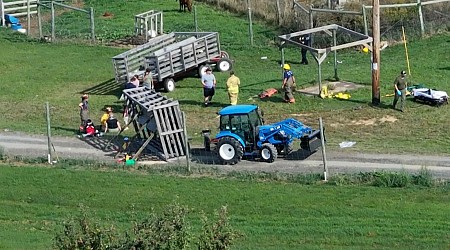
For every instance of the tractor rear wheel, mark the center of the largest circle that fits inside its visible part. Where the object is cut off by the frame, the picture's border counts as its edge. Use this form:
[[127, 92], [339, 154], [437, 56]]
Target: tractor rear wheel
[[268, 152], [230, 150]]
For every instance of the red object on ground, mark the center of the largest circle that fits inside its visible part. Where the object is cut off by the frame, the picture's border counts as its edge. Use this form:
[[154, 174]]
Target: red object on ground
[[267, 93]]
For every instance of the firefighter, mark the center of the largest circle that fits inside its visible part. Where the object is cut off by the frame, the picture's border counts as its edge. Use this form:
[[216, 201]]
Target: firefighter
[[288, 84]]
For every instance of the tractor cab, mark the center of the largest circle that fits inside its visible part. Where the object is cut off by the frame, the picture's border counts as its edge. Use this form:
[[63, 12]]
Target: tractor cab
[[242, 121]]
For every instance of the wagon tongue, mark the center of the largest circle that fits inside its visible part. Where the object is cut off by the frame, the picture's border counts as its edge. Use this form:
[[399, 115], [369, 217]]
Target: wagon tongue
[[311, 142]]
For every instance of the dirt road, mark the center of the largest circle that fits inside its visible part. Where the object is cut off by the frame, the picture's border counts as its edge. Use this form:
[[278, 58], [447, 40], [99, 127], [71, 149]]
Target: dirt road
[[14, 143]]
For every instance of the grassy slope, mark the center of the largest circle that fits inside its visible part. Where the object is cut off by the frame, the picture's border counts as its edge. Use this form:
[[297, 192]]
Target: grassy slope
[[33, 73], [272, 215]]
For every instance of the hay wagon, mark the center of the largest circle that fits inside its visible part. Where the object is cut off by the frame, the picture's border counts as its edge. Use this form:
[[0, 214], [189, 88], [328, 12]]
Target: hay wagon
[[171, 56]]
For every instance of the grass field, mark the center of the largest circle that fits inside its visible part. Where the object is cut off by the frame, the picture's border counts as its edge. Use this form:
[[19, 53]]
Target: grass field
[[33, 73], [272, 215]]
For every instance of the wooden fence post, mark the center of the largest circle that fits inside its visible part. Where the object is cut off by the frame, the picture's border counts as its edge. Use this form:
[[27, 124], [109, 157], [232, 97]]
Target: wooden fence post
[[324, 155], [39, 19], [2, 14], [49, 140], [28, 18], [91, 18], [366, 31], [53, 21], [279, 12], [195, 19], [422, 28], [250, 25]]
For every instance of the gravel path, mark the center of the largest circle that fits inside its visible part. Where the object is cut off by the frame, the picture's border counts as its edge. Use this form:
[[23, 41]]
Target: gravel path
[[19, 144]]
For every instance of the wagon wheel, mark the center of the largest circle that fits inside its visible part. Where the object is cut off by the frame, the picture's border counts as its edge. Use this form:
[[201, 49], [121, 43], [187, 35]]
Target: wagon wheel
[[202, 69], [169, 85], [230, 151], [224, 64], [224, 54], [268, 152]]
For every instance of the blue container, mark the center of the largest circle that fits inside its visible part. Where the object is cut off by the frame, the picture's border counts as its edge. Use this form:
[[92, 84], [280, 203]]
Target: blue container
[[16, 26], [11, 19]]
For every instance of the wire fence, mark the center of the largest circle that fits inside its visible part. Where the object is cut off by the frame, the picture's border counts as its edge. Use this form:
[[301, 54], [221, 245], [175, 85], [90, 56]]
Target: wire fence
[[293, 15]]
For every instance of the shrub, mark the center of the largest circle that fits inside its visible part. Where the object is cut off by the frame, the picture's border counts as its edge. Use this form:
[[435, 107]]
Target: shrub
[[217, 235], [84, 233], [424, 178], [388, 179], [168, 230]]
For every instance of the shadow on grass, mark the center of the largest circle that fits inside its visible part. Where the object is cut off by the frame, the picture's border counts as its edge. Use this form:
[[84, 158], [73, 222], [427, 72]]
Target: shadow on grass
[[444, 68], [109, 87], [104, 144]]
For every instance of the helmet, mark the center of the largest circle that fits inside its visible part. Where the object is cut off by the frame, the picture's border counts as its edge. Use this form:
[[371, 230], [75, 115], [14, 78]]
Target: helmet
[[365, 50], [403, 72], [286, 66]]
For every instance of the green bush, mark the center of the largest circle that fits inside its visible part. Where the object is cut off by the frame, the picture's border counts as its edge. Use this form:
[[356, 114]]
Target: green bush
[[168, 230], [217, 235]]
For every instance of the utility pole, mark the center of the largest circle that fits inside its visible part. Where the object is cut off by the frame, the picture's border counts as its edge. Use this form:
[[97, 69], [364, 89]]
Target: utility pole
[[376, 52]]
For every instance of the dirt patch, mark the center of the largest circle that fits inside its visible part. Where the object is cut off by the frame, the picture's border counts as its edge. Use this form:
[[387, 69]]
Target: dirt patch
[[367, 122], [334, 87]]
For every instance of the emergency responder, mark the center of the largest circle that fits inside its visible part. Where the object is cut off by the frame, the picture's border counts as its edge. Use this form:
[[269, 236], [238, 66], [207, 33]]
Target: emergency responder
[[288, 84]]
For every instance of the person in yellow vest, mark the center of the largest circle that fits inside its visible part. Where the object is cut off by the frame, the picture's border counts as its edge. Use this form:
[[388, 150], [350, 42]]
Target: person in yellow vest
[[233, 83], [105, 117]]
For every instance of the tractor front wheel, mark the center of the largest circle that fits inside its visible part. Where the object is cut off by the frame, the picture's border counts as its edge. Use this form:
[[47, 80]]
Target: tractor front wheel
[[268, 152], [230, 151]]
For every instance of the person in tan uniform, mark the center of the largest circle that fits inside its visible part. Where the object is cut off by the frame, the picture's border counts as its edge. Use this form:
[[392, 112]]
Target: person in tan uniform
[[233, 84]]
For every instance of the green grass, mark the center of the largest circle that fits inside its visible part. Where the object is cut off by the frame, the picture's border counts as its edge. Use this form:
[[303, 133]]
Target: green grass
[[272, 215], [33, 73]]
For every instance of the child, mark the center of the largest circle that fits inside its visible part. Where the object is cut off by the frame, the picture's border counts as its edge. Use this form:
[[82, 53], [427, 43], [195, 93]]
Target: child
[[89, 130]]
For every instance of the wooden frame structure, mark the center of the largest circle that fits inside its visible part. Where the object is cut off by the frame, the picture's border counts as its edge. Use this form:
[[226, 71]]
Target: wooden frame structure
[[150, 21], [321, 54], [157, 121]]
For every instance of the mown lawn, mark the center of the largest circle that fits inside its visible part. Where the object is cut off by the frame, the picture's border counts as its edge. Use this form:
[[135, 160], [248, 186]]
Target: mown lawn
[[33, 73], [272, 215]]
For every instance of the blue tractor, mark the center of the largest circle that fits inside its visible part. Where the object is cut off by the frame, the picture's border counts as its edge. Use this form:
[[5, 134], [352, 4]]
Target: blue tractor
[[243, 133]]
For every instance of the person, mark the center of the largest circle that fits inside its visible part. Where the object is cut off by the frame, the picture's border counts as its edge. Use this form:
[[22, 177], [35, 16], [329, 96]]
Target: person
[[288, 84], [148, 78], [209, 85], [84, 111], [233, 84], [305, 40], [400, 85], [130, 84], [125, 115], [89, 130], [105, 117], [112, 124], [135, 81]]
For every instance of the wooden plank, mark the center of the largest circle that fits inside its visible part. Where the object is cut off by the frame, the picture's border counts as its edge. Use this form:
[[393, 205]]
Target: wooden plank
[[163, 143], [176, 127], [172, 126], [179, 118], [168, 132]]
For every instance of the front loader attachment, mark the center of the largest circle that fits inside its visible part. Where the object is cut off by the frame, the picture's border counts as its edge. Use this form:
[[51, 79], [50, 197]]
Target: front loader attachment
[[311, 142]]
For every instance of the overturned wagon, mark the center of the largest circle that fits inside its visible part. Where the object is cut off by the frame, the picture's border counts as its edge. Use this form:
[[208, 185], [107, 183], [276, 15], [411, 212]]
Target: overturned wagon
[[171, 56]]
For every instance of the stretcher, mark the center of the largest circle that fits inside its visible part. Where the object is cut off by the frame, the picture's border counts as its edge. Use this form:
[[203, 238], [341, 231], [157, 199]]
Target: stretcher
[[430, 96]]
